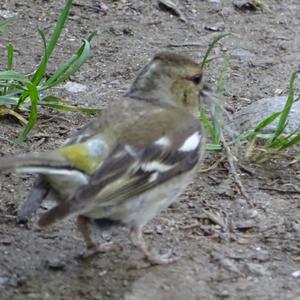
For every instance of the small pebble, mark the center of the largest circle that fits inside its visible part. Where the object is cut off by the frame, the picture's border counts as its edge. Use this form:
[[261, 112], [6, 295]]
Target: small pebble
[[296, 274], [257, 269], [6, 14], [3, 280], [73, 87], [55, 263], [158, 229], [243, 54]]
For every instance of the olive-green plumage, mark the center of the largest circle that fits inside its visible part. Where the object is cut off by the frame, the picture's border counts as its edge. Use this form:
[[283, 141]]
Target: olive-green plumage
[[130, 162]]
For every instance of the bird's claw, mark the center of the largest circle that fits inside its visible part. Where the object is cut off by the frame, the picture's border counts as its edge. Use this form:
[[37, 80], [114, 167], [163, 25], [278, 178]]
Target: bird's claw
[[155, 260], [163, 259], [102, 248]]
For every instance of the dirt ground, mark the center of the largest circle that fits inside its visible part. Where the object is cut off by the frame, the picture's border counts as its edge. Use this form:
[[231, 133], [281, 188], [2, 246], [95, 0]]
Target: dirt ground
[[255, 257]]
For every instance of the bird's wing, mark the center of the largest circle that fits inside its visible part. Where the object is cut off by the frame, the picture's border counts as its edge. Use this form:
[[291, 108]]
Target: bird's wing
[[153, 167], [92, 144], [84, 151], [135, 166]]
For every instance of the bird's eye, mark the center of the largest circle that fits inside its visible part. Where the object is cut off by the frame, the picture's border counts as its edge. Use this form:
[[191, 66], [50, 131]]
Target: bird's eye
[[197, 78]]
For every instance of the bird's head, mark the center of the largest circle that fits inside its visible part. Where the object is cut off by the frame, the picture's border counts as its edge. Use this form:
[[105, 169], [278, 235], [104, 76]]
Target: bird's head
[[169, 79]]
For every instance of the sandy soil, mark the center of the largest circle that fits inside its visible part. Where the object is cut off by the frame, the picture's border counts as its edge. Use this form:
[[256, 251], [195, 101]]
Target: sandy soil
[[257, 254]]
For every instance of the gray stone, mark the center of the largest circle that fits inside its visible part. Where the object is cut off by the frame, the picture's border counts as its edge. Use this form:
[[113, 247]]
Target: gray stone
[[3, 280], [55, 263], [5, 14], [229, 265], [11, 281], [296, 274], [250, 116], [243, 54], [257, 269]]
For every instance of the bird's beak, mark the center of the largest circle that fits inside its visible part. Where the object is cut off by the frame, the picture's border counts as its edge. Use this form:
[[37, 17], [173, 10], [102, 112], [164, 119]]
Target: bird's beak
[[205, 90]]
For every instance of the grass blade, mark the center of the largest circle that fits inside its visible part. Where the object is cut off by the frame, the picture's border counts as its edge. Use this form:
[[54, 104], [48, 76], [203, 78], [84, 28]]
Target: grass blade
[[6, 100], [69, 67], [210, 48], [53, 41], [4, 23], [10, 56], [38, 75], [267, 121], [213, 147], [34, 98], [90, 111], [54, 99], [218, 104], [13, 75], [207, 124], [292, 142], [286, 110]]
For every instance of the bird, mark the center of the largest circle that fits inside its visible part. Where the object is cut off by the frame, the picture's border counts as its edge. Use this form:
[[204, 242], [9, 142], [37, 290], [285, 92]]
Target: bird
[[130, 162]]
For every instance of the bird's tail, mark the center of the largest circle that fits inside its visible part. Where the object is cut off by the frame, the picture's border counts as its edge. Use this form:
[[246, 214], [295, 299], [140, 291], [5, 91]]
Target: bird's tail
[[34, 163]]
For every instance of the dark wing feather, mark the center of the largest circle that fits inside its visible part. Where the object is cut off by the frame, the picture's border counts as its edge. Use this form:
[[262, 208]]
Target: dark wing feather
[[104, 185], [140, 181]]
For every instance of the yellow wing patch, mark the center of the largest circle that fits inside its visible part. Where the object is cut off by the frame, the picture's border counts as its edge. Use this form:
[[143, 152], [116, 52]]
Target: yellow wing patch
[[87, 156]]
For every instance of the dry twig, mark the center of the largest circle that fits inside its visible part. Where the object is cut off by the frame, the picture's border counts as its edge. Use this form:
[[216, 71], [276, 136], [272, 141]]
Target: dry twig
[[282, 191], [233, 171]]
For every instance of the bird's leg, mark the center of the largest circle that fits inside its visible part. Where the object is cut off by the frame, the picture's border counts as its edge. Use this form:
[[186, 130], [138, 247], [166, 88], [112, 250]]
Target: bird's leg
[[83, 227], [136, 236], [91, 247]]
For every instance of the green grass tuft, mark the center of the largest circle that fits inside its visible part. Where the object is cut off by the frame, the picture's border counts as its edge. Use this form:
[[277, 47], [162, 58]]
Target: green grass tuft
[[261, 146], [21, 92]]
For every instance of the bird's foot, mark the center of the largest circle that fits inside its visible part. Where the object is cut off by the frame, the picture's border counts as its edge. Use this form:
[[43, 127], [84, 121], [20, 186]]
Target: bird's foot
[[164, 259], [151, 260]]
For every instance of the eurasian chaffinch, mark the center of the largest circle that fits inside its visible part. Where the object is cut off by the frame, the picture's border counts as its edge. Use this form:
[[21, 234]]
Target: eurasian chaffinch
[[131, 162]]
